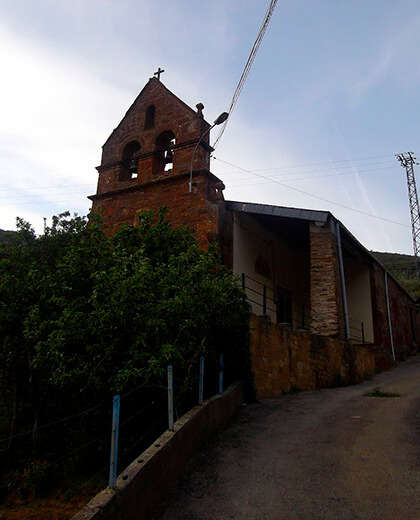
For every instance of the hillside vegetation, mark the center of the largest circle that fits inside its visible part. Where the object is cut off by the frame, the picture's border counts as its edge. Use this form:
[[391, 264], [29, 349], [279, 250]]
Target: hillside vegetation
[[403, 268]]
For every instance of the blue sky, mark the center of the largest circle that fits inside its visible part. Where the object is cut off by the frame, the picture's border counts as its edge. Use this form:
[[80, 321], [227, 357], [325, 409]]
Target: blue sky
[[332, 96]]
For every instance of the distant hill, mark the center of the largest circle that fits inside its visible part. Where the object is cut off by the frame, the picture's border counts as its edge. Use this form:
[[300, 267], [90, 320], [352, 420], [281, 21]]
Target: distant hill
[[403, 268]]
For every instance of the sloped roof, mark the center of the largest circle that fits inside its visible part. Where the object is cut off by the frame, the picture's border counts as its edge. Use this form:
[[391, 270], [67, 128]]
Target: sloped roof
[[309, 215], [278, 211]]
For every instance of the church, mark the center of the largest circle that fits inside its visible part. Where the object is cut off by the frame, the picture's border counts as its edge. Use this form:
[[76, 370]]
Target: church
[[324, 310]]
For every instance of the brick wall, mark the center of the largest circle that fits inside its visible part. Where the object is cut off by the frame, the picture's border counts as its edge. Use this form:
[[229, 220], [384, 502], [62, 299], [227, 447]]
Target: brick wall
[[195, 210]]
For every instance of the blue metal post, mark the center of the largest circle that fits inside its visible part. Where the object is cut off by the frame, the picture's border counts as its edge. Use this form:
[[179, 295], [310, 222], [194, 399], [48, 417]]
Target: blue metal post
[[170, 399], [114, 441], [201, 382], [221, 374]]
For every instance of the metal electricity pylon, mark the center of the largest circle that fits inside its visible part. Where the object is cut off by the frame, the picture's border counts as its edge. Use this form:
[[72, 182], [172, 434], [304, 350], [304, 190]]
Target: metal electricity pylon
[[408, 161]]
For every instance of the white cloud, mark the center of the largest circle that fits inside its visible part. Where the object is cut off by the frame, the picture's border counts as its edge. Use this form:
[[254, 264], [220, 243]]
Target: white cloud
[[53, 125]]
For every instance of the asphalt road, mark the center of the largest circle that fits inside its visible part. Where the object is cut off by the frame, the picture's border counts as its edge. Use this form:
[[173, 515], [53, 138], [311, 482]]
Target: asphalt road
[[328, 454]]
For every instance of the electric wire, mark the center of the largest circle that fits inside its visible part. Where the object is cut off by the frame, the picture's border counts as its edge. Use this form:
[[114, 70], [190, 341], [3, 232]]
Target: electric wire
[[332, 164], [62, 186], [248, 66], [316, 196], [43, 202], [302, 168], [292, 166], [312, 176], [8, 197]]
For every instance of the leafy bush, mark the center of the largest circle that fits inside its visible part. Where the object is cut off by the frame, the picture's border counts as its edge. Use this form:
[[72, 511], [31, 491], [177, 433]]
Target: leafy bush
[[84, 316]]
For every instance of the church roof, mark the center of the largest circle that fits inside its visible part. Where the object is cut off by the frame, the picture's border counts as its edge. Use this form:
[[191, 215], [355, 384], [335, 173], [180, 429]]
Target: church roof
[[278, 211]]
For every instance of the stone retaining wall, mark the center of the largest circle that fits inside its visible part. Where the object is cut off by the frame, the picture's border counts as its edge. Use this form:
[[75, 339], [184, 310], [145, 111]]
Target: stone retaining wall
[[285, 360]]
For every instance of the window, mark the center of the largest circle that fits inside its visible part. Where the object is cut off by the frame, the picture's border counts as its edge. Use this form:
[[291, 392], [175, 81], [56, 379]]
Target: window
[[149, 121]]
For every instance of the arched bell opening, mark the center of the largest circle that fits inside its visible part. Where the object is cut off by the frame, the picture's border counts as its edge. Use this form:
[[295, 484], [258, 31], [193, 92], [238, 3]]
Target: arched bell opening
[[130, 158], [164, 154]]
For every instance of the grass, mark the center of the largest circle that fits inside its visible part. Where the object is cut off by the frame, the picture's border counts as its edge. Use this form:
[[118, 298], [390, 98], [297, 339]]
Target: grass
[[377, 392]]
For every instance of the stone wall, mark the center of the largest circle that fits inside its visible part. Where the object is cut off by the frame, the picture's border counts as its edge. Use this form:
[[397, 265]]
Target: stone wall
[[285, 360], [326, 294]]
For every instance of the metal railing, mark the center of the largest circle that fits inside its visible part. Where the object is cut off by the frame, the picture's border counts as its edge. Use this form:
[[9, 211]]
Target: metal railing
[[263, 296]]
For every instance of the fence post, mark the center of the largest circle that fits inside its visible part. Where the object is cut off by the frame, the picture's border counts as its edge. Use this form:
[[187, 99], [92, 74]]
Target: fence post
[[114, 441], [243, 281], [221, 374], [170, 399], [303, 316], [201, 382], [264, 300], [363, 333]]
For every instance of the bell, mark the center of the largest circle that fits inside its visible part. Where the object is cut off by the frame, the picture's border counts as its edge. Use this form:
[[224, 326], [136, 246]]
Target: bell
[[169, 156], [133, 165]]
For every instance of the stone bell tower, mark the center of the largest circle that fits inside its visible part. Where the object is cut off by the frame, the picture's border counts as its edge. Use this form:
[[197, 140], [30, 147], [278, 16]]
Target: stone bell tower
[[146, 164]]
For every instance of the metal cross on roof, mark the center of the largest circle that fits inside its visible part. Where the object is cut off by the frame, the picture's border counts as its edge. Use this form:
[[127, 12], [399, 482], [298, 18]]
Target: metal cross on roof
[[158, 73]]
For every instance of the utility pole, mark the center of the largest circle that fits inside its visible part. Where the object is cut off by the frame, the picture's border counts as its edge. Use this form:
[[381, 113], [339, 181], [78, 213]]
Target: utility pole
[[407, 161]]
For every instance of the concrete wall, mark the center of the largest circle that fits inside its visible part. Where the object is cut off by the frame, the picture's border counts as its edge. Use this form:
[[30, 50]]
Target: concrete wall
[[357, 275], [144, 484], [289, 268], [284, 360]]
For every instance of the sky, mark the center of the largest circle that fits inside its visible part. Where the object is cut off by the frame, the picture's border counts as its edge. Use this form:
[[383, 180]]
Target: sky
[[331, 98]]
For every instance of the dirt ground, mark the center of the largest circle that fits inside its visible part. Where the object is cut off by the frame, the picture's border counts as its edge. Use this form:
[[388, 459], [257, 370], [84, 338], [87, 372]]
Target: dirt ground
[[329, 454], [54, 508]]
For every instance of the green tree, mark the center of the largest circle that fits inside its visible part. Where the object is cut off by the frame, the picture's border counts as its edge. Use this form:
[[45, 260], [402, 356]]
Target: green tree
[[83, 316]]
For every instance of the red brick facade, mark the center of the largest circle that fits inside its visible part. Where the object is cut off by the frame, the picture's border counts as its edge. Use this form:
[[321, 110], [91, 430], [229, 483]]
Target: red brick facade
[[146, 164]]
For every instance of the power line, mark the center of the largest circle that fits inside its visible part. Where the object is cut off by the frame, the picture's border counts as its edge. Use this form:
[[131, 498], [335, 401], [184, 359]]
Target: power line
[[79, 199], [329, 163], [248, 65], [8, 197], [314, 176], [333, 168], [45, 187], [315, 196]]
